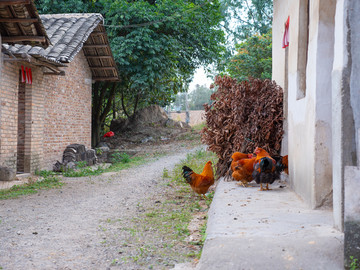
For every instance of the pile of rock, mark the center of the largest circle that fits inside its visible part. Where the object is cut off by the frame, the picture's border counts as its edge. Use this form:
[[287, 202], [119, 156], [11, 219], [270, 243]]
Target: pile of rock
[[73, 154]]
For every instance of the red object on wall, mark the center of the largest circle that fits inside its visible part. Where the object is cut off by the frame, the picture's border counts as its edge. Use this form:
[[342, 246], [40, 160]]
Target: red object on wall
[[109, 134], [26, 75], [285, 42]]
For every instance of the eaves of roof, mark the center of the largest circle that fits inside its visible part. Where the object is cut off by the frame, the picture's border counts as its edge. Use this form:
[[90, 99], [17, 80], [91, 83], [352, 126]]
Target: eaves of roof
[[20, 24], [69, 33]]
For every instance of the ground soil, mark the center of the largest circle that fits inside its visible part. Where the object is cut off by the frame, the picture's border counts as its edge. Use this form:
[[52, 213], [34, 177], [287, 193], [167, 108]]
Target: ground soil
[[91, 222]]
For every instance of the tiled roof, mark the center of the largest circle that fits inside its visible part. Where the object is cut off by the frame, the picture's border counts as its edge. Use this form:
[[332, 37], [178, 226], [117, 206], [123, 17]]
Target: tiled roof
[[69, 33]]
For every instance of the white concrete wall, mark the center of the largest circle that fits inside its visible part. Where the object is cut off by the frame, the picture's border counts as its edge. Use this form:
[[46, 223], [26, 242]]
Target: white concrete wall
[[279, 67], [309, 117], [323, 116], [339, 86]]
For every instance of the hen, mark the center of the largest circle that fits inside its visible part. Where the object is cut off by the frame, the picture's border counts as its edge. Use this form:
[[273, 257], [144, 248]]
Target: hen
[[199, 183], [264, 169], [243, 170], [236, 157]]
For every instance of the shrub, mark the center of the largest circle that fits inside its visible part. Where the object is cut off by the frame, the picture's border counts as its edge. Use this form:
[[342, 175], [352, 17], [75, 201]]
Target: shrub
[[243, 116]]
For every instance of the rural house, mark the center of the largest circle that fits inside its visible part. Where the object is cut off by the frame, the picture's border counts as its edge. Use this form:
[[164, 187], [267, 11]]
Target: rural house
[[316, 52], [45, 92]]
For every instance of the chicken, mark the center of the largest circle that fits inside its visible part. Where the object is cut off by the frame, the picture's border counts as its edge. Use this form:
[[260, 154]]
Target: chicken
[[264, 169], [282, 164], [236, 157], [199, 183], [243, 171]]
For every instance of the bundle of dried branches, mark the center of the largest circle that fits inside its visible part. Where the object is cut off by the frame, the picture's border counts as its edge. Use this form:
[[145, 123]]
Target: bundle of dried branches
[[243, 116]]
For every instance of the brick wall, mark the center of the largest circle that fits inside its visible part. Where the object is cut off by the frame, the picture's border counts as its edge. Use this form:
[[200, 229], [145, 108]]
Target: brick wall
[[67, 110], [57, 113], [8, 113]]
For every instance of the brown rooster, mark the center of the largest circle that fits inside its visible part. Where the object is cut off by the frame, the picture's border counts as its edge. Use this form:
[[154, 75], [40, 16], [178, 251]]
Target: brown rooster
[[200, 183], [243, 171]]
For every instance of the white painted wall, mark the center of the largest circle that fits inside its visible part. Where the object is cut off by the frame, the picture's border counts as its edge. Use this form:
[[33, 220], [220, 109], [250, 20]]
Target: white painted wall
[[309, 118], [339, 67]]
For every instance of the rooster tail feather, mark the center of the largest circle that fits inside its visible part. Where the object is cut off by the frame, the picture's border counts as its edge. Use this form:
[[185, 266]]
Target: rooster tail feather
[[187, 172]]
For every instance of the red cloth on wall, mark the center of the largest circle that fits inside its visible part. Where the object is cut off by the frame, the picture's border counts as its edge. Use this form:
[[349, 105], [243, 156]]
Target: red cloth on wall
[[285, 41]]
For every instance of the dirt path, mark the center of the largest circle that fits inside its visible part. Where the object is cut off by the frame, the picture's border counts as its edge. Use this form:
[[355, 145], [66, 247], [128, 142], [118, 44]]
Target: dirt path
[[75, 227]]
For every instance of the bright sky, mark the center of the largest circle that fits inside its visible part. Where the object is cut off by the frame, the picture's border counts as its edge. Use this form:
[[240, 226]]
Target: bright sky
[[200, 79]]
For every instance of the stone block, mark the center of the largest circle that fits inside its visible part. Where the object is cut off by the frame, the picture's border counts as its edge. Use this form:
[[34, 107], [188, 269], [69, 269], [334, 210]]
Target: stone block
[[7, 174]]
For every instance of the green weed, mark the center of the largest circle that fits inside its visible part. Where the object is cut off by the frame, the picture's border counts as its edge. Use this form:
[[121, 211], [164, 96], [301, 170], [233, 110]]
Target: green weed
[[81, 164], [45, 173], [354, 265], [87, 171], [166, 173], [30, 188], [118, 157]]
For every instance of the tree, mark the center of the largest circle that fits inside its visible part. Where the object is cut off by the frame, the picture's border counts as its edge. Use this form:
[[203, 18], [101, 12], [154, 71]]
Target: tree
[[253, 58], [242, 19], [245, 18], [157, 46], [199, 96]]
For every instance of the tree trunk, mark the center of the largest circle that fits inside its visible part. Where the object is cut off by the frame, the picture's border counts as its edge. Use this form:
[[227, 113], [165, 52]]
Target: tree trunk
[[100, 109]]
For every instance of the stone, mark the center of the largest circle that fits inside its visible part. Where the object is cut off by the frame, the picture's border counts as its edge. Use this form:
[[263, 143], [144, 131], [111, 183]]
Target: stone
[[58, 167], [74, 152], [7, 174], [70, 166], [103, 144], [102, 154], [91, 157]]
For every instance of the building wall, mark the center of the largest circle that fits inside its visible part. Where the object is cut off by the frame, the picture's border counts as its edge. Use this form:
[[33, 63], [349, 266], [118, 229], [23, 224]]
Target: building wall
[[57, 113], [308, 81], [8, 113], [70, 122]]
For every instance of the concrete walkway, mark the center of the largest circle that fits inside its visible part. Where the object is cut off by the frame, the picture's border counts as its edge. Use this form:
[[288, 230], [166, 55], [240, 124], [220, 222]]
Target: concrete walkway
[[250, 229]]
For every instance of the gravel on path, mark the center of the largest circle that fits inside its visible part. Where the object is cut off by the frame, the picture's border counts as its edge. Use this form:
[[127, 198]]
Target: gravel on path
[[62, 228]]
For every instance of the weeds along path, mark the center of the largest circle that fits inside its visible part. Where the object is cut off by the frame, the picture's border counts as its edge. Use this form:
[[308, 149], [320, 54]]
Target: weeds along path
[[92, 223]]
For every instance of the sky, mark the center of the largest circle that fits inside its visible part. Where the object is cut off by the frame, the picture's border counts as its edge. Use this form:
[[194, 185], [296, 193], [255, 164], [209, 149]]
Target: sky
[[200, 78]]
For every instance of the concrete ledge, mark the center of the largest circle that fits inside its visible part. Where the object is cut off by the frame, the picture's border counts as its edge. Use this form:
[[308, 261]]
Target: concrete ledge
[[250, 229]]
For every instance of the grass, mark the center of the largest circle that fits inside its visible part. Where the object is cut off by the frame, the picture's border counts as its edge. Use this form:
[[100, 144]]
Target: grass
[[354, 265], [199, 127], [84, 171], [30, 188], [132, 162]]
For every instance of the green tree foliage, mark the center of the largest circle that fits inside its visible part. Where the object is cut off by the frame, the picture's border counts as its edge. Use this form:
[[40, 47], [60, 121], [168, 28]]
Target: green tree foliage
[[67, 6], [157, 46], [199, 96], [253, 58], [245, 18], [196, 98]]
